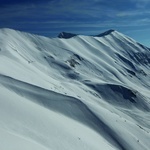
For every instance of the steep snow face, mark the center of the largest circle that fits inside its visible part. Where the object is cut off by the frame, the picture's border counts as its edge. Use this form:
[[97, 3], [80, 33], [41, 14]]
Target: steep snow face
[[83, 92]]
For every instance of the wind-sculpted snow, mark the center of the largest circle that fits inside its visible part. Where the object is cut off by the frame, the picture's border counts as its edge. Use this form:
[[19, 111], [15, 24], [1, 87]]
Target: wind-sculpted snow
[[74, 92]]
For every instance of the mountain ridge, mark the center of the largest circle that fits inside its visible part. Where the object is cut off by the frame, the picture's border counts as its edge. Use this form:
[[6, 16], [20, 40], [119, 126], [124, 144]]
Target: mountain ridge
[[67, 35], [70, 35]]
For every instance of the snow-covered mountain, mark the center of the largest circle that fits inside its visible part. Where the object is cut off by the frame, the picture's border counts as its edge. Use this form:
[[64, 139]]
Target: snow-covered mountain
[[74, 93]]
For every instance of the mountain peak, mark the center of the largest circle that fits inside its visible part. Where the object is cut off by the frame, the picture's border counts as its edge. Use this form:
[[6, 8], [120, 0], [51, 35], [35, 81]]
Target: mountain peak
[[66, 35], [106, 33]]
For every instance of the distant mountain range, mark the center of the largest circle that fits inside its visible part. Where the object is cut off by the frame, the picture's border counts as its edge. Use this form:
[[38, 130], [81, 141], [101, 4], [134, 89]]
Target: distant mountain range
[[74, 92]]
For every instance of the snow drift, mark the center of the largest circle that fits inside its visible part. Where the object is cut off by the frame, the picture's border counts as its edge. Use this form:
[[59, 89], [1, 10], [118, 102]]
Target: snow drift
[[74, 92]]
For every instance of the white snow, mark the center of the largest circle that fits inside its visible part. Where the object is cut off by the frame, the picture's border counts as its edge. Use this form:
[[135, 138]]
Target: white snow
[[79, 93]]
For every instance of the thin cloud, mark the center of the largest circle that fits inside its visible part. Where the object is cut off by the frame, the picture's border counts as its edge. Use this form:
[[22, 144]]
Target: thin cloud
[[133, 13], [141, 4], [82, 16]]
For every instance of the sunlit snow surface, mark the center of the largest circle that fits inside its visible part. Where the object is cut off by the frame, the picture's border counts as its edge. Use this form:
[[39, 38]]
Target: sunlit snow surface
[[78, 93]]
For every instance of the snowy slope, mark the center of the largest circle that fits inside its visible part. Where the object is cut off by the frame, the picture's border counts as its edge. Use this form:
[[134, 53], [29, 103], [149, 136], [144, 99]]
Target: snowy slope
[[74, 92]]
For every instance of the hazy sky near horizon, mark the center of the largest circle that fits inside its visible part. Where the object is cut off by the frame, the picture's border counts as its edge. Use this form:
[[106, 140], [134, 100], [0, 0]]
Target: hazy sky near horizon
[[50, 17]]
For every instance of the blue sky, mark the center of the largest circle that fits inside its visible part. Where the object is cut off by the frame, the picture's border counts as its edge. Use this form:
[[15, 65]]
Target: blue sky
[[50, 17]]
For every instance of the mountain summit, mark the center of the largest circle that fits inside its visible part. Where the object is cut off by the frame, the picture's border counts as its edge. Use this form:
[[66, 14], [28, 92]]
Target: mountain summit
[[66, 35], [105, 33], [60, 94]]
